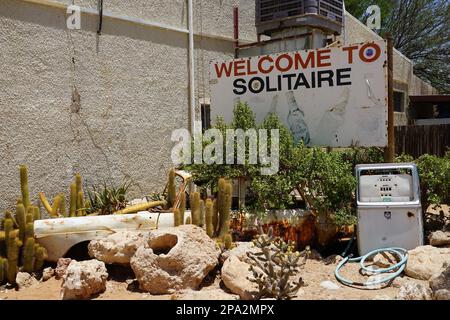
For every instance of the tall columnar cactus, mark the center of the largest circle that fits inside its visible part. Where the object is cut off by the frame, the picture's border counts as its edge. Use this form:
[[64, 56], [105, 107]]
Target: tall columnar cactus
[[215, 217], [80, 205], [37, 213], [40, 256], [80, 196], [220, 200], [8, 224], [171, 191], [177, 218], [202, 213], [24, 186], [62, 205], [28, 255], [13, 256], [195, 208], [20, 218], [56, 206], [73, 200], [3, 267], [209, 210], [225, 209], [182, 206]]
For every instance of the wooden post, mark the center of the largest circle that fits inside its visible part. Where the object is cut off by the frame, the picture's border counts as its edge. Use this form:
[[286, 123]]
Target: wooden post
[[389, 151]]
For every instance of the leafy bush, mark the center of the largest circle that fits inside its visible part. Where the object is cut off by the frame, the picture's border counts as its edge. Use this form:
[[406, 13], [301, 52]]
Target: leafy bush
[[107, 199]]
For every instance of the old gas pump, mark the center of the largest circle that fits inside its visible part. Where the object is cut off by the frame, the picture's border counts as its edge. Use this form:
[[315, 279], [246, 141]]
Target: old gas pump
[[388, 207]]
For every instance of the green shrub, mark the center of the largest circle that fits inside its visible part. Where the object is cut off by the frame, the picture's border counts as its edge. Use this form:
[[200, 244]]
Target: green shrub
[[106, 199]]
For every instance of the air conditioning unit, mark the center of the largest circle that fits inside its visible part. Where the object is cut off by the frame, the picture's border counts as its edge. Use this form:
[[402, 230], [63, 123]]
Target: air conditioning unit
[[276, 15]]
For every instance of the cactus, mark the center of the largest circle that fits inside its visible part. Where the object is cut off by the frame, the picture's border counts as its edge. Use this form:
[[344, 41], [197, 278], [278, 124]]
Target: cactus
[[188, 220], [28, 255], [37, 213], [177, 218], [24, 186], [73, 200], [9, 215], [3, 267], [171, 191], [209, 208], [202, 213], [45, 203], [56, 206], [78, 184], [29, 230], [182, 206], [13, 256], [40, 256], [228, 241], [215, 217], [20, 218], [80, 204], [195, 208], [62, 205], [220, 200], [225, 208], [9, 227]]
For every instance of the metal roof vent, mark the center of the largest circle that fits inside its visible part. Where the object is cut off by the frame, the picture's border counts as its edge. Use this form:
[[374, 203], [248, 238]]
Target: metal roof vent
[[276, 15]]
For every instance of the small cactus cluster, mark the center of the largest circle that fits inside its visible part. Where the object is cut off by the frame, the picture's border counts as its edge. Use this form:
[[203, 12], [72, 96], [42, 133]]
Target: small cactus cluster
[[213, 215], [77, 206], [273, 267], [17, 238]]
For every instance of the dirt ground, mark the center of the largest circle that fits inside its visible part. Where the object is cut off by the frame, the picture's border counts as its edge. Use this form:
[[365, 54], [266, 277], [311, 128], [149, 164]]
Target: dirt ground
[[314, 272]]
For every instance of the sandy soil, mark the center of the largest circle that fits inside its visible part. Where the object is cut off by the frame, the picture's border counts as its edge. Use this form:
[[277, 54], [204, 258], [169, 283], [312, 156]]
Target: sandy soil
[[313, 273]]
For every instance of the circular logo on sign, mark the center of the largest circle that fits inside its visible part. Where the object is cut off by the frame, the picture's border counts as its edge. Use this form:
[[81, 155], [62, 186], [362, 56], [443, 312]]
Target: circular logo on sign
[[256, 85]]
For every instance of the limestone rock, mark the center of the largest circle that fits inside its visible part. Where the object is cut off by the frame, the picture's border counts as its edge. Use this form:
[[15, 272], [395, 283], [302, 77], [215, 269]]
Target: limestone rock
[[235, 274], [117, 248], [426, 261], [174, 259], [25, 280], [414, 291], [440, 239], [440, 285], [84, 279], [61, 267], [47, 273], [330, 285], [240, 251]]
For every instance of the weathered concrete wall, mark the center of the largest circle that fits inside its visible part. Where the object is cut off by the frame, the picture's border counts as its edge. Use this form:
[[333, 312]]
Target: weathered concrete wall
[[103, 106]]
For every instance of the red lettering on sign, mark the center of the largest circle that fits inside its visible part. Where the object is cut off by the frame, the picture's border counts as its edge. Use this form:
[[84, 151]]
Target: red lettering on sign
[[350, 52], [322, 56], [260, 65], [309, 62], [223, 69]]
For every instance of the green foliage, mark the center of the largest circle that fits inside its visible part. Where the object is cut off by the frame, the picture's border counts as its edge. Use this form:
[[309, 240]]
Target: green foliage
[[274, 266], [107, 199], [420, 31], [434, 176]]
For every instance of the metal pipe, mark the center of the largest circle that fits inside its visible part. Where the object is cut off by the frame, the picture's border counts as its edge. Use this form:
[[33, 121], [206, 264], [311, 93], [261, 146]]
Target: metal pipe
[[236, 31], [191, 67]]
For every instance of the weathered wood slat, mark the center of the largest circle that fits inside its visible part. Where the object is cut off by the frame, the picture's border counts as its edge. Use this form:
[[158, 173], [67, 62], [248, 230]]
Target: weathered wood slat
[[422, 139]]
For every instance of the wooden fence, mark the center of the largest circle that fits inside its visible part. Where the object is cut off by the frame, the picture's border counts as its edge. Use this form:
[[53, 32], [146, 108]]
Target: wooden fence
[[417, 140]]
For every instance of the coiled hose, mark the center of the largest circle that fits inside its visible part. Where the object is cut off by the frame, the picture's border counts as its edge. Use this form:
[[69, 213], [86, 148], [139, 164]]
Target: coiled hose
[[400, 253]]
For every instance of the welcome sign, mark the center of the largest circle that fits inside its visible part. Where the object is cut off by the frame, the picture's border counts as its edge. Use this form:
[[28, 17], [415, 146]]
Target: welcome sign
[[327, 97]]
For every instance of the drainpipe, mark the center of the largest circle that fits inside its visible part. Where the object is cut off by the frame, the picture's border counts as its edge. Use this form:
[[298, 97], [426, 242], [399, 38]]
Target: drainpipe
[[191, 68]]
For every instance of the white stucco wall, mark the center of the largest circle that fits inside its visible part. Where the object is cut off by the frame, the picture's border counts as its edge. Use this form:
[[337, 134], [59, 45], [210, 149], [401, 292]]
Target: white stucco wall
[[132, 84]]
